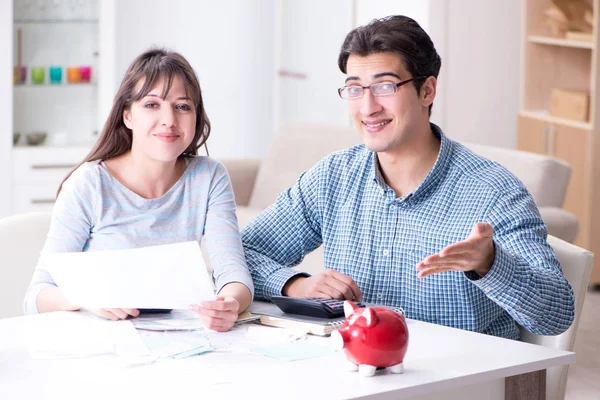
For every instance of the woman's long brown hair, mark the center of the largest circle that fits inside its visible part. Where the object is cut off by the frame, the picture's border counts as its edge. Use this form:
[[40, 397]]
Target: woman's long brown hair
[[149, 68]]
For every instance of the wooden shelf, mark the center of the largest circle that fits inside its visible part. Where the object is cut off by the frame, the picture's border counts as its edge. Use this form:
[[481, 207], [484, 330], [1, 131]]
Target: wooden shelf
[[559, 42], [46, 85], [546, 117], [56, 21]]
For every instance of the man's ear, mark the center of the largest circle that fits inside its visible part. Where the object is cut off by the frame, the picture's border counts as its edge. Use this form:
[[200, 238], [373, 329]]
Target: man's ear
[[127, 118], [428, 91]]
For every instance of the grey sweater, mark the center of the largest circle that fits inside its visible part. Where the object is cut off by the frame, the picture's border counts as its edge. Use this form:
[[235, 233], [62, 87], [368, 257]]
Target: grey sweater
[[94, 211]]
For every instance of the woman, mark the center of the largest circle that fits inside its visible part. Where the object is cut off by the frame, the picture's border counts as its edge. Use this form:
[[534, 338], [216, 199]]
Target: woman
[[143, 184]]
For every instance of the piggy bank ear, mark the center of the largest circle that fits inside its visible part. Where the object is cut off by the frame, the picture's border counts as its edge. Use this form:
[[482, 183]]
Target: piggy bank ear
[[370, 317], [349, 308]]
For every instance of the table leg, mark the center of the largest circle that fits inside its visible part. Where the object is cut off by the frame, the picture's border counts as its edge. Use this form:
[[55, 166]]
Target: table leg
[[530, 386]]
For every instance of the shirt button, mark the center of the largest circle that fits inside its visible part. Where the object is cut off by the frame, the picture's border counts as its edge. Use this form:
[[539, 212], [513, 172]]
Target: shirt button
[[386, 252], [487, 289], [380, 296]]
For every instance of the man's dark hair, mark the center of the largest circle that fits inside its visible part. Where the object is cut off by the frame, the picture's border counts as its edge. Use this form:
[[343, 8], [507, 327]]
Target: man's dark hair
[[394, 34]]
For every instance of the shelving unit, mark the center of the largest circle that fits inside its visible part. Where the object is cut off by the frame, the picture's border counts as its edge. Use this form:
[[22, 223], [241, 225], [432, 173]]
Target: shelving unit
[[555, 63], [59, 34]]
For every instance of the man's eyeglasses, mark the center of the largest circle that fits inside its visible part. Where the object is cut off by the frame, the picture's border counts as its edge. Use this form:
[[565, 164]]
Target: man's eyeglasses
[[377, 89]]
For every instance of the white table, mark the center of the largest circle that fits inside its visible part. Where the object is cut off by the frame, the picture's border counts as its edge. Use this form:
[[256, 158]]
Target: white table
[[441, 363]]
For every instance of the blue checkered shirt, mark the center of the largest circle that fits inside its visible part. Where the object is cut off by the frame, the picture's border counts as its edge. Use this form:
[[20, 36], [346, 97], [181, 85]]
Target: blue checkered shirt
[[377, 239]]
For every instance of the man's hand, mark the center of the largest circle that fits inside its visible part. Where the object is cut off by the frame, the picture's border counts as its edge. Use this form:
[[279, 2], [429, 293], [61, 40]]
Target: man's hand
[[476, 253], [329, 284], [116, 314], [218, 315]]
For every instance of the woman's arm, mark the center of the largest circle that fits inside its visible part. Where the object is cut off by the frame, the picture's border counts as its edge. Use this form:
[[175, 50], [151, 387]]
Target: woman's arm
[[224, 248], [52, 299], [221, 314], [69, 231], [239, 292]]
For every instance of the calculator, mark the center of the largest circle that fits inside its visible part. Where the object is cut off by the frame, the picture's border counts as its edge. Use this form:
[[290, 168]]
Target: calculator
[[313, 307]]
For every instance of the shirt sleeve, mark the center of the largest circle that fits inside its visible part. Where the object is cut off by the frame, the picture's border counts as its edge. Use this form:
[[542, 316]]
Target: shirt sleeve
[[69, 231], [222, 235], [284, 233], [526, 278]]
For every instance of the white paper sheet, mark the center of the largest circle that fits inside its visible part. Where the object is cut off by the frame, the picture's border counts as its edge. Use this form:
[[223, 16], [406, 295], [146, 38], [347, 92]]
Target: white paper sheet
[[78, 335], [167, 276], [176, 320], [175, 344]]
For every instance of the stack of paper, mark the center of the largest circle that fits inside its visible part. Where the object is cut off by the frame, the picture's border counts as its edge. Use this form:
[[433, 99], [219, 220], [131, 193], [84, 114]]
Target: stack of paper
[[76, 335], [176, 344], [176, 320], [180, 320]]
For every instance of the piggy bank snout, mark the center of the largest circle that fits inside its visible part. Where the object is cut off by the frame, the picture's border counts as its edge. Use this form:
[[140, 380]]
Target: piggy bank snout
[[338, 339]]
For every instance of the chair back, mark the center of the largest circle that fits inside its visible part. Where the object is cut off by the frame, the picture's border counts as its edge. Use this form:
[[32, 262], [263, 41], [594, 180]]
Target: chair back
[[546, 177], [295, 148], [576, 265], [22, 237]]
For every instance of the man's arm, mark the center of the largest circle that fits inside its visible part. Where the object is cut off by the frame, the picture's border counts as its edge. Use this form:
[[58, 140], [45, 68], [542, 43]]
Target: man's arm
[[510, 260], [284, 233], [525, 277]]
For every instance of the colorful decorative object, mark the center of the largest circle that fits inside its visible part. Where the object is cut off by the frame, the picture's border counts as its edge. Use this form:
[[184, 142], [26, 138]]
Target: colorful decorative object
[[372, 337], [19, 75], [38, 75], [85, 73], [19, 72], [55, 74], [73, 75]]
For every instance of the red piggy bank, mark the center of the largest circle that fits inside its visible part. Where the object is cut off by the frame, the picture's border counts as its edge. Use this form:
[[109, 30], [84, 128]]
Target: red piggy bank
[[372, 337]]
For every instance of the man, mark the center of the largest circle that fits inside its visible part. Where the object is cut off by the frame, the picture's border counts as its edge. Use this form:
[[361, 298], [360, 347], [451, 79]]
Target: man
[[411, 218]]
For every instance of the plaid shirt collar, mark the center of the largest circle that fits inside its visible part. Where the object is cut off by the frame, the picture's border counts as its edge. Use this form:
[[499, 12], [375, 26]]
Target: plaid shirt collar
[[433, 178]]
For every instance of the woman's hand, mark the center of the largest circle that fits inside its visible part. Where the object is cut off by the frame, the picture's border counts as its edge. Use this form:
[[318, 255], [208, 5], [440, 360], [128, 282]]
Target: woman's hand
[[115, 314], [218, 315]]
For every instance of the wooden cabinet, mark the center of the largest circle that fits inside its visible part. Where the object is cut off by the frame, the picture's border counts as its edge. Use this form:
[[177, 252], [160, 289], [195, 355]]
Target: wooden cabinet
[[536, 138], [550, 63], [571, 145]]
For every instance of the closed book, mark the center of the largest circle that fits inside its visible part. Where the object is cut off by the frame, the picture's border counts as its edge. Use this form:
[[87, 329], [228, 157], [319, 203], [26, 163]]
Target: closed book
[[312, 325]]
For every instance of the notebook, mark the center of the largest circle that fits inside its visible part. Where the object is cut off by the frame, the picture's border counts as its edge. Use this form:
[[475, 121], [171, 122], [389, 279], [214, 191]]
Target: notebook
[[315, 326], [312, 325]]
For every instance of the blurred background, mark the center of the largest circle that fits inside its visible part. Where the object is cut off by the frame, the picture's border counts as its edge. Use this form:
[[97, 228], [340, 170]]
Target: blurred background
[[516, 74], [259, 63]]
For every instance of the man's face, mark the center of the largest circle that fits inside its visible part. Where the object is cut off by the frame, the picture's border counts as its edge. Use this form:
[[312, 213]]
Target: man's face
[[387, 122]]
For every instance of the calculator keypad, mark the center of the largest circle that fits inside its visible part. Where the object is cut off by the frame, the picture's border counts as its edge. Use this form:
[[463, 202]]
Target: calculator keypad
[[314, 306]]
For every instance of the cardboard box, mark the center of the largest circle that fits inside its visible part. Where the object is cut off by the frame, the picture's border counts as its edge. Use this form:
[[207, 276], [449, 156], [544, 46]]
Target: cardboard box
[[580, 36], [570, 104]]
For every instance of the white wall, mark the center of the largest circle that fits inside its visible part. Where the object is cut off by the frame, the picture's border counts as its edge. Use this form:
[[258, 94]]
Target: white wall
[[311, 33], [229, 44], [482, 71], [366, 10], [6, 104], [478, 41], [431, 15]]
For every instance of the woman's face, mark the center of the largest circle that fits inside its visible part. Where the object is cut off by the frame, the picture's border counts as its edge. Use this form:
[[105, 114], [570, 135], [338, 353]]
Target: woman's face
[[162, 128]]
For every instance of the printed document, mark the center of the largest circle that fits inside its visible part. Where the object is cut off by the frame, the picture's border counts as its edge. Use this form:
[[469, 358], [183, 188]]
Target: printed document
[[171, 276]]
